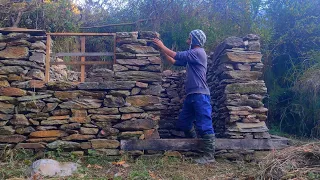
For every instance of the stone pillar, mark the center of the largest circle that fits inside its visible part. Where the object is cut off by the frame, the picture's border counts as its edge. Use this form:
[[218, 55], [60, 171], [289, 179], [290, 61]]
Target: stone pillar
[[237, 88]]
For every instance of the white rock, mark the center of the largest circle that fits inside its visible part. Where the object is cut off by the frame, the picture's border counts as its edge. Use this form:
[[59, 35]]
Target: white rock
[[53, 168]]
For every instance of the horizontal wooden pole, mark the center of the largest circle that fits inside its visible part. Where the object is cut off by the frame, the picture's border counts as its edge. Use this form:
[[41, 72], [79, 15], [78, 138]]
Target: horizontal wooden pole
[[82, 63], [194, 144], [81, 34], [85, 54]]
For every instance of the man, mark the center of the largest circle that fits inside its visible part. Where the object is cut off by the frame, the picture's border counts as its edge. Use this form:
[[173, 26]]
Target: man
[[196, 106]]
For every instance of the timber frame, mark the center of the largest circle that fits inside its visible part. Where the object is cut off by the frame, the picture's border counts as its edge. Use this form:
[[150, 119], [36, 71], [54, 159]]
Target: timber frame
[[83, 54]]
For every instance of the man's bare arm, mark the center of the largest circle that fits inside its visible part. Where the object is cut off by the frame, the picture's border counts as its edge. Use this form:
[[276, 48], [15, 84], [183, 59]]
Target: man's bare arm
[[164, 49], [170, 59]]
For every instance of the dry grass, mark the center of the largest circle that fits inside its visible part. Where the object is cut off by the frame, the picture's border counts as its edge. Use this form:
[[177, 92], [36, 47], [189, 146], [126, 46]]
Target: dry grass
[[300, 162]]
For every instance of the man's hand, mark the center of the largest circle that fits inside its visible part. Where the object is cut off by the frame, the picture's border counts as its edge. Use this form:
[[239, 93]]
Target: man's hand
[[158, 42]]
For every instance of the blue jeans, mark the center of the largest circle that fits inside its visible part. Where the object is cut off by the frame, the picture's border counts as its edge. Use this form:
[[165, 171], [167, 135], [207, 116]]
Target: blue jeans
[[196, 109]]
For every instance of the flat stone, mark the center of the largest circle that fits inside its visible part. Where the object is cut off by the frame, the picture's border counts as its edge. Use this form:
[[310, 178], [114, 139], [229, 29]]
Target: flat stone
[[38, 57], [113, 101], [15, 36], [131, 135], [19, 119], [152, 90], [133, 62], [70, 95], [239, 108], [81, 104], [125, 55], [142, 76], [6, 130], [135, 91], [131, 109], [11, 91], [151, 68], [12, 138], [34, 97], [14, 53], [242, 67], [20, 42], [70, 126], [36, 140], [61, 112], [148, 35], [105, 132], [246, 88], [155, 60], [6, 108], [142, 100], [25, 130], [85, 145], [249, 127], [80, 116], [35, 84], [89, 131], [23, 63], [31, 106], [54, 122], [50, 168], [61, 86], [104, 143], [110, 118], [260, 110], [45, 128], [138, 49], [48, 133], [107, 85], [63, 145], [11, 70], [130, 116], [119, 68], [242, 57], [30, 146], [78, 137], [135, 125], [104, 111], [2, 46], [8, 99]]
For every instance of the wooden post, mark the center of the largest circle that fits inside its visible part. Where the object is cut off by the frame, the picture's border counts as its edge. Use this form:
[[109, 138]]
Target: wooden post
[[47, 70], [83, 58]]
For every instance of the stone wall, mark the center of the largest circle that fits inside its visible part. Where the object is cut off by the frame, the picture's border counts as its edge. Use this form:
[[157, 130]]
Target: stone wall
[[237, 88], [120, 104]]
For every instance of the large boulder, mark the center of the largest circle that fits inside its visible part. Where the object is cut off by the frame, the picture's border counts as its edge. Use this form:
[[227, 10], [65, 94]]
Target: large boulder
[[52, 168]]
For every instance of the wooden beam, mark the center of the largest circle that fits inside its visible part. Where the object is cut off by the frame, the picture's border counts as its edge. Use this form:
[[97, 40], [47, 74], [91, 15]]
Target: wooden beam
[[86, 54], [82, 34], [47, 70], [194, 144], [82, 63], [83, 58]]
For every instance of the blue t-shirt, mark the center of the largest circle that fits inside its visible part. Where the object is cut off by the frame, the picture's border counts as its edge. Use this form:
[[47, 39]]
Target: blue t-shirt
[[196, 62]]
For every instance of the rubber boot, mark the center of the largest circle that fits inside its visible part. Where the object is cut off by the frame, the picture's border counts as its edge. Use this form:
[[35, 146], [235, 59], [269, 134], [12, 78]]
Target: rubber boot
[[208, 149], [190, 134]]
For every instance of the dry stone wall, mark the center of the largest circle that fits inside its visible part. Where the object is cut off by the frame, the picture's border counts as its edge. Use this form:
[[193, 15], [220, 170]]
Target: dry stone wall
[[122, 104], [237, 89]]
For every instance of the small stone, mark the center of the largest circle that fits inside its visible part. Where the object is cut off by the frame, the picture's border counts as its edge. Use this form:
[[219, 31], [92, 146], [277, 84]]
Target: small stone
[[19, 119], [131, 135], [70, 126], [135, 125], [135, 91], [108, 152], [81, 104], [34, 97], [85, 145], [31, 106], [36, 74], [6, 108], [30, 146], [110, 118], [4, 83], [38, 57], [142, 100], [61, 112], [50, 107], [79, 116], [38, 45], [36, 140], [14, 53], [89, 131], [5, 117], [54, 122], [141, 85], [131, 109]]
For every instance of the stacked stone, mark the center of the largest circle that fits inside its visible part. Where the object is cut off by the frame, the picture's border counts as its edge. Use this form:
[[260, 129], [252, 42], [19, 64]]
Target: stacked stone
[[237, 90], [91, 115], [172, 97]]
